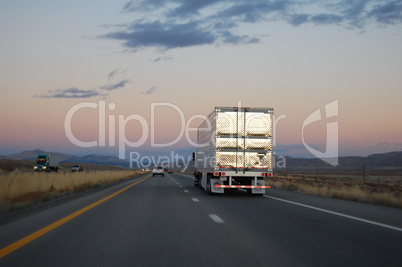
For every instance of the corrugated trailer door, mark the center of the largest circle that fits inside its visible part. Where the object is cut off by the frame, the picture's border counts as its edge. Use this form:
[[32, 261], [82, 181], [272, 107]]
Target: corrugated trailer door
[[257, 138], [243, 138]]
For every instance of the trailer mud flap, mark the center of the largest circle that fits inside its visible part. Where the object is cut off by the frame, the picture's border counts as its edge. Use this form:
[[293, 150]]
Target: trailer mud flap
[[258, 190], [214, 188], [259, 186]]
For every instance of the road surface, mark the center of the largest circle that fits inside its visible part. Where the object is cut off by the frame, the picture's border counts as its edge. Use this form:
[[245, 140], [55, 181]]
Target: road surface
[[166, 221]]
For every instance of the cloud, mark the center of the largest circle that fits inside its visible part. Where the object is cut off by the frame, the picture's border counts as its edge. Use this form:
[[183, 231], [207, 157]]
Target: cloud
[[326, 19], [387, 13], [172, 24], [179, 26], [189, 8], [115, 73], [70, 93], [230, 38], [74, 92], [162, 35], [165, 58], [252, 11], [134, 6], [298, 19], [111, 87], [150, 91], [383, 144]]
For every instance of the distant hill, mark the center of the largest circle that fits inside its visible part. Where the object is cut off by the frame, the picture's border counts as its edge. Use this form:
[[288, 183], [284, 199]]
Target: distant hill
[[96, 159], [26, 155], [391, 161]]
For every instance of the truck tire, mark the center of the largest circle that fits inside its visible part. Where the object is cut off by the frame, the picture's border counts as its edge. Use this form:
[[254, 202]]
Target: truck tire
[[197, 179]]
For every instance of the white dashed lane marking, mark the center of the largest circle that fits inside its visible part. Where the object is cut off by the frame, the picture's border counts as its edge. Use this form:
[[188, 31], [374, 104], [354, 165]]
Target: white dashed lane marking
[[216, 218]]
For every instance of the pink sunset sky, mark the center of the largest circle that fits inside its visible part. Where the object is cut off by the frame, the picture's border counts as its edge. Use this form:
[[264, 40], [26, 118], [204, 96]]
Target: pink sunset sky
[[184, 58]]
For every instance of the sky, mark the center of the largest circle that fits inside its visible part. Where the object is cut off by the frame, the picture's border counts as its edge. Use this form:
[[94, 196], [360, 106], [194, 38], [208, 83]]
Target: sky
[[114, 77]]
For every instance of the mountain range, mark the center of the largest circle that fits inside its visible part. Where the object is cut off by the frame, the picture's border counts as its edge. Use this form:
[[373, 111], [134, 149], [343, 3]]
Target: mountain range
[[384, 161], [389, 159], [95, 159], [390, 162]]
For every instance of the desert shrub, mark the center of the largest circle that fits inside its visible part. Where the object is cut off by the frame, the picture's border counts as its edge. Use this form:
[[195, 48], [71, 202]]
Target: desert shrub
[[344, 187], [19, 188]]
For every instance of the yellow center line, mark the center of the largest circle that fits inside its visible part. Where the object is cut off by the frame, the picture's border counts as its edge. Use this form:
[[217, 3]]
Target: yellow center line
[[7, 250]]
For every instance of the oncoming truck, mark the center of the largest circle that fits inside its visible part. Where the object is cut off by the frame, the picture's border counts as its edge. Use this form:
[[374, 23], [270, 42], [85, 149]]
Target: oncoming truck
[[234, 150], [47, 162]]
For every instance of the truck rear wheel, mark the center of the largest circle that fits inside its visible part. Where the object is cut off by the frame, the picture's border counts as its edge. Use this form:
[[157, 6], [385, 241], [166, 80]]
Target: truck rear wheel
[[197, 179]]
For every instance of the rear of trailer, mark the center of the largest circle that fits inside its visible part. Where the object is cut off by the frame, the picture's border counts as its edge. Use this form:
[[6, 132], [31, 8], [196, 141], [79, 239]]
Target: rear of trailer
[[234, 150]]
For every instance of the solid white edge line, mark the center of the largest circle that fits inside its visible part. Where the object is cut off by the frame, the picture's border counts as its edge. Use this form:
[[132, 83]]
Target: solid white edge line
[[216, 218], [327, 211], [338, 214]]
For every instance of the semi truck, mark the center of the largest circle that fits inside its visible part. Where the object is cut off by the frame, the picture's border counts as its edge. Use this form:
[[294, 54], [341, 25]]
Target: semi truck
[[234, 150], [47, 162]]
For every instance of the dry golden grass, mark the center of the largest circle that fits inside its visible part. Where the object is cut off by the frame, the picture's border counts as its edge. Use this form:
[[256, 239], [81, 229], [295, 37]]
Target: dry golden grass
[[382, 190], [18, 189]]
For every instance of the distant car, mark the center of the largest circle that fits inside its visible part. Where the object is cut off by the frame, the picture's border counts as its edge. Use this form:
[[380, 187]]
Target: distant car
[[170, 171], [76, 168], [158, 171]]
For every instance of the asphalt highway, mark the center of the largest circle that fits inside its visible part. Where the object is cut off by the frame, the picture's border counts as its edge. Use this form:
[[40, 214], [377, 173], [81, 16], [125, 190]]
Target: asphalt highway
[[166, 221]]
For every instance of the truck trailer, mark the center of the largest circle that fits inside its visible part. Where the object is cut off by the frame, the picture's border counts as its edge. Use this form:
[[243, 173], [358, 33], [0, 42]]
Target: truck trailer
[[234, 150], [47, 162]]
